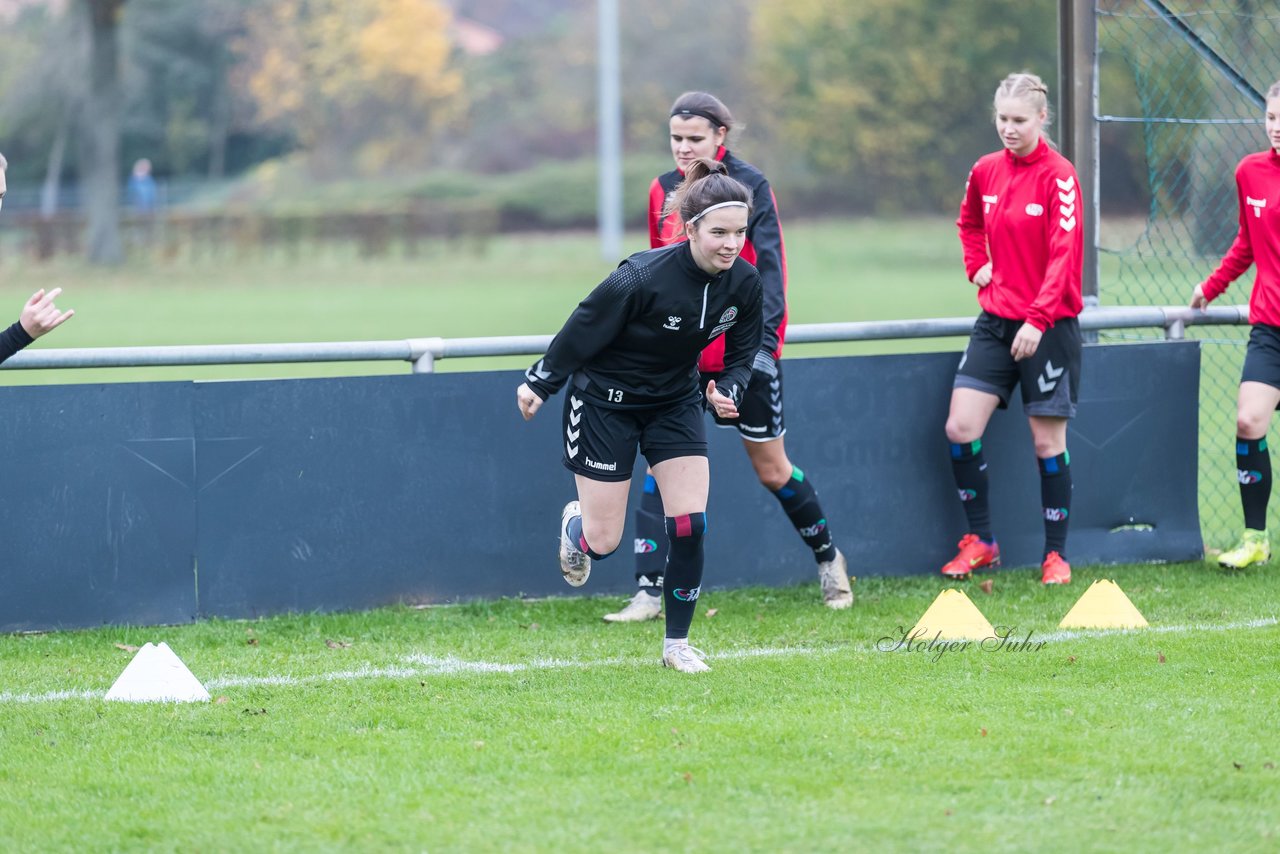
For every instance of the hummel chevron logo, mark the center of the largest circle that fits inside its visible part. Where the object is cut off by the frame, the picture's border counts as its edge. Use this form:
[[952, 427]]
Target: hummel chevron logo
[[575, 403], [574, 418], [571, 450], [1067, 198], [573, 434], [539, 372], [1068, 223], [1257, 204], [1049, 379], [1065, 184]]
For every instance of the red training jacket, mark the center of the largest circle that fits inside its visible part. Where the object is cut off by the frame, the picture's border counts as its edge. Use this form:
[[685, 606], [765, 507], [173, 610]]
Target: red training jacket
[[1027, 212], [1257, 241], [763, 248]]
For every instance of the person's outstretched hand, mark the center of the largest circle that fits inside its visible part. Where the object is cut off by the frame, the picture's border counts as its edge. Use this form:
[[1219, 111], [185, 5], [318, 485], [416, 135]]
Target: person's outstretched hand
[[40, 315]]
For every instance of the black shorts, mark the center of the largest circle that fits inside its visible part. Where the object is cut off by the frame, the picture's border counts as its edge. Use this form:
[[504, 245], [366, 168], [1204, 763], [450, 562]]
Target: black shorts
[[1050, 379], [760, 416], [1262, 357], [601, 443]]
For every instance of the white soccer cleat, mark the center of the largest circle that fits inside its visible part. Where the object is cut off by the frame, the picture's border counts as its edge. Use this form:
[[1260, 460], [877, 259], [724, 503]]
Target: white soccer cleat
[[575, 564], [685, 658], [833, 575], [643, 606]]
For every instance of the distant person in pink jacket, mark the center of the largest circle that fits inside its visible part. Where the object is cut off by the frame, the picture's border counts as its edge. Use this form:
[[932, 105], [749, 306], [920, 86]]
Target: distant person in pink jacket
[[1020, 226], [1257, 243]]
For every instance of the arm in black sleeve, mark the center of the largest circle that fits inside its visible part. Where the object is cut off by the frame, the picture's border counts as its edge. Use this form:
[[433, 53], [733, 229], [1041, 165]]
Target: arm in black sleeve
[[765, 233], [12, 340], [741, 344], [593, 325]]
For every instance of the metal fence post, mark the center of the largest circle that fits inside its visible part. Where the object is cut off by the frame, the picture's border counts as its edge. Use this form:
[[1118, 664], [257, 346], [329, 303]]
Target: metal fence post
[[1078, 110], [423, 352]]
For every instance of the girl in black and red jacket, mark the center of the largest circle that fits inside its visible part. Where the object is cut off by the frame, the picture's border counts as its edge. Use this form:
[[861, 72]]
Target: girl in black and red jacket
[[699, 126], [1020, 226], [1257, 243], [629, 353]]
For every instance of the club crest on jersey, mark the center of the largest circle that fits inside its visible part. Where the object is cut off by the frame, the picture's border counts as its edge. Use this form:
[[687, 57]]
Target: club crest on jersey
[[1257, 205], [1035, 210], [672, 323], [729, 314]]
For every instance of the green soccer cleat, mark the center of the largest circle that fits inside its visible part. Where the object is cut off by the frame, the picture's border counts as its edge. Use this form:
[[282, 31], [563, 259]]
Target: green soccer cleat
[[1253, 548]]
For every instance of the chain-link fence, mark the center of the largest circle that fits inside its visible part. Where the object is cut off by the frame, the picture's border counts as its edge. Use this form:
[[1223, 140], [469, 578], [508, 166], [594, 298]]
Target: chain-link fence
[[1180, 88]]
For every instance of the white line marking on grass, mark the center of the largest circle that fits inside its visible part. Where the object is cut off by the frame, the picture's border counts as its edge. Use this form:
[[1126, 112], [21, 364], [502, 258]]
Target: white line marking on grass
[[1072, 634], [52, 696], [368, 671], [424, 665]]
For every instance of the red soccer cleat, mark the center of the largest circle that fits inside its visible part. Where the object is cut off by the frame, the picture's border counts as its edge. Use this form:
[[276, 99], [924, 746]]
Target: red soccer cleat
[[974, 554], [1055, 570]]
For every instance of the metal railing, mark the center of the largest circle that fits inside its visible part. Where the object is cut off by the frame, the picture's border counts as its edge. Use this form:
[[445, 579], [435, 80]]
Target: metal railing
[[423, 352]]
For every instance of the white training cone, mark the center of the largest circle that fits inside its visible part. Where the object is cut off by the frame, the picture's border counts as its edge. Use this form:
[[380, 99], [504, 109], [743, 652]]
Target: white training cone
[[156, 675]]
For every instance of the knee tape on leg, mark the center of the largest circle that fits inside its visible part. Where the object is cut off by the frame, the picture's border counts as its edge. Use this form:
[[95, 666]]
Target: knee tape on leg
[[686, 530]]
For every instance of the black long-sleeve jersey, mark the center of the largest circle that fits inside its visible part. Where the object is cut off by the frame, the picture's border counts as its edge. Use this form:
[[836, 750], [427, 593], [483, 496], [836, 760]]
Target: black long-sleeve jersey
[[13, 339], [634, 341]]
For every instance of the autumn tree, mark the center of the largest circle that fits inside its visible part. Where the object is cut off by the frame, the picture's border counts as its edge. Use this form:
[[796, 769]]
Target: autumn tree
[[362, 79], [43, 84], [180, 109], [889, 101]]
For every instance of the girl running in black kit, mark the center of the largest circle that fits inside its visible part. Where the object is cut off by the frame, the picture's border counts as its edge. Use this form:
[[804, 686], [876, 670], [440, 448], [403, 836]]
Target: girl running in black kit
[[630, 353], [699, 126]]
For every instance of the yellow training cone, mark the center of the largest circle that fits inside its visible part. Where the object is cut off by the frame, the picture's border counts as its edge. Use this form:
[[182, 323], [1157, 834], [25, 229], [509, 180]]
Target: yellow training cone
[[953, 617], [1103, 606]]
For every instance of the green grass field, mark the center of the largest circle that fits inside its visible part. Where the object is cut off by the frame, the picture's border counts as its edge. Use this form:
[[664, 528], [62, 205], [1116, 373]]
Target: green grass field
[[533, 726], [518, 285]]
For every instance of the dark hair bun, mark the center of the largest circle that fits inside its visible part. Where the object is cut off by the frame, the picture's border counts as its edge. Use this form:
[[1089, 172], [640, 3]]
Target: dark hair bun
[[704, 166]]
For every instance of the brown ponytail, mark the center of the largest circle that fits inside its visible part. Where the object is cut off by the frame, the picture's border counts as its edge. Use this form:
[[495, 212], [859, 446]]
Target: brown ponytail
[[706, 183]]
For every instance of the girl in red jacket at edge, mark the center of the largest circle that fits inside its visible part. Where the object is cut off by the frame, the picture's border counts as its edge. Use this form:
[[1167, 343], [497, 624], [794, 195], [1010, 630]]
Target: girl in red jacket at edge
[[1020, 225], [699, 126], [1257, 242]]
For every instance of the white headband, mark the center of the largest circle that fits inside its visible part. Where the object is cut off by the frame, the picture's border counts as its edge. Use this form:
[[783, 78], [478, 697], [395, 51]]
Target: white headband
[[713, 207]]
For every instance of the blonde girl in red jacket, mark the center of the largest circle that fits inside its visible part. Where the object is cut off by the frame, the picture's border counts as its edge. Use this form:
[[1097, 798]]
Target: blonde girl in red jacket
[[1020, 226], [1257, 243]]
